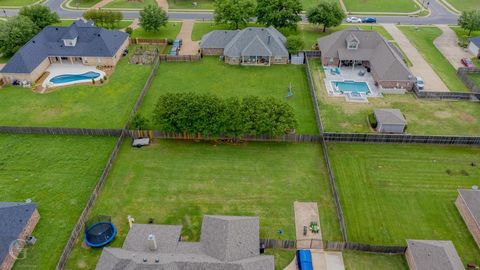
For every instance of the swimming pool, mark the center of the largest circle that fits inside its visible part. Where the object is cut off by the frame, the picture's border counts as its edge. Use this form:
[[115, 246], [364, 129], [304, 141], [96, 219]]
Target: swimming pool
[[67, 78], [351, 86]]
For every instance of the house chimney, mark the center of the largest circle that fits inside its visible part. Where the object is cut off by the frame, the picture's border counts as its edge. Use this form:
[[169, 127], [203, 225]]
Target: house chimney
[[152, 242], [268, 41]]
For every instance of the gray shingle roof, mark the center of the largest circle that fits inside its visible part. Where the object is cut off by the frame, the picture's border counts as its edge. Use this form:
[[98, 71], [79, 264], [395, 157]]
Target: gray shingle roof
[[472, 201], [476, 41], [390, 116], [13, 219], [372, 47], [437, 255], [251, 41], [91, 42], [227, 243]]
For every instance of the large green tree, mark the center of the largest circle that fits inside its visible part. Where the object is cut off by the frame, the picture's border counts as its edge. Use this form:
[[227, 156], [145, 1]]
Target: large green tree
[[328, 14], [15, 32], [470, 20], [40, 15], [279, 13], [235, 13], [152, 18]]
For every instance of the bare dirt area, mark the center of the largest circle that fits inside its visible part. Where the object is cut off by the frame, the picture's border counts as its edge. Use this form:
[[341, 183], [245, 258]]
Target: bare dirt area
[[305, 213]]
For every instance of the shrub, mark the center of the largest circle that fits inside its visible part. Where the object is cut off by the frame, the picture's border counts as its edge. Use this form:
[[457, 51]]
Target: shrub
[[101, 80], [93, 81], [372, 120], [129, 30], [294, 44], [170, 41], [139, 122]]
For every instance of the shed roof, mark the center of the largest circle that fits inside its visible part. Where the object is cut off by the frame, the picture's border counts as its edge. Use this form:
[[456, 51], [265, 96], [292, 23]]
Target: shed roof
[[471, 197], [438, 255], [390, 116]]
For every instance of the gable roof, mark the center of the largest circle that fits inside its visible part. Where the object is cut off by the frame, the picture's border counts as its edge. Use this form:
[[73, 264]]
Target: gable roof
[[372, 47], [476, 41], [390, 116], [251, 41], [13, 219], [91, 42], [471, 197], [438, 255]]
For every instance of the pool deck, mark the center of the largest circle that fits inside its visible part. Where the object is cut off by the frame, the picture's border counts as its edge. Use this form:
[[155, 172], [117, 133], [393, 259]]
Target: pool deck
[[61, 69]]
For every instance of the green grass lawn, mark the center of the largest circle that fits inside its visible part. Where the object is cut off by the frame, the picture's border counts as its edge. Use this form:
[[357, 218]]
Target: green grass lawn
[[390, 193], [212, 76], [58, 173], [171, 31], [100, 106], [422, 38], [475, 77], [464, 4], [463, 36], [401, 6], [140, 4], [123, 24], [179, 182], [188, 4], [430, 117], [365, 261], [83, 3], [16, 3], [283, 257]]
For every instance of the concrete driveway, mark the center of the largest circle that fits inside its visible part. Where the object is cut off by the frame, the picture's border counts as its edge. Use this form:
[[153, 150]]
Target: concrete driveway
[[189, 47], [447, 44], [420, 66]]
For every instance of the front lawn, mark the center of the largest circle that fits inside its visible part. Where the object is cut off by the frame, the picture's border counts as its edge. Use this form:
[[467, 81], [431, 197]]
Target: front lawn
[[16, 3], [87, 106], [123, 24], [126, 4], [170, 31], [209, 75], [83, 3], [432, 117], [400, 6], [391, 193], [422, 38], [188, 4], [464, 4], [178, 182], [58, 173]]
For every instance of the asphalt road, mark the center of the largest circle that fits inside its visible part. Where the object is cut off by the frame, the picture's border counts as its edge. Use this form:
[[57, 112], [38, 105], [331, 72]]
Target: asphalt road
[[439, 15]]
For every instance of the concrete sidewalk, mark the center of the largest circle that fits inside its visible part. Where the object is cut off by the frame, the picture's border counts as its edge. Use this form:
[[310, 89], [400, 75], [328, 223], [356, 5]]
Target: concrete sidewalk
[[420, 66], [447, 44]]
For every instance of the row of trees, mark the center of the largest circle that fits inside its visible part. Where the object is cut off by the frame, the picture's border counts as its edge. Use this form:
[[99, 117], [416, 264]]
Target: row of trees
[[212, 116], [105, 18], [16, 31]]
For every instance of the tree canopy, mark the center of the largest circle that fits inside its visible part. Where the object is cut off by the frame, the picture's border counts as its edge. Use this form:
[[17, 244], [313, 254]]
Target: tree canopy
[[470, 20], [234, 13], [40, 15], [213, 116], [104, 18], [279, 13], [152, 18], [15, 32], [328, 14], [294, 44]]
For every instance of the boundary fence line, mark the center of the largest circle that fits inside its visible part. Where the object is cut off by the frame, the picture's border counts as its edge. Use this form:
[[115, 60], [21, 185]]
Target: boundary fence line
[[463, 74], [400, 138]]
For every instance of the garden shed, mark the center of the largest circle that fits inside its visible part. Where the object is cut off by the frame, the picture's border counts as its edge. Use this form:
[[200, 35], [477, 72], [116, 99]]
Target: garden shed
[[468, 204], [390, 120]]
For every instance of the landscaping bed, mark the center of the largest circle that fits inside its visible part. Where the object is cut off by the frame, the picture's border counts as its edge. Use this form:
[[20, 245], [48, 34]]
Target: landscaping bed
[[209, 75], [391, 193], [399, 6], [429, 117], [58, 173], [86, 106], [178, 182]]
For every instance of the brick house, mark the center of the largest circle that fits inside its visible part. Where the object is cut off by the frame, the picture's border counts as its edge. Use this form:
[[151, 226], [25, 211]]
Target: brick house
[[17, 222], [259, 46], [468, 204], [431, 254]]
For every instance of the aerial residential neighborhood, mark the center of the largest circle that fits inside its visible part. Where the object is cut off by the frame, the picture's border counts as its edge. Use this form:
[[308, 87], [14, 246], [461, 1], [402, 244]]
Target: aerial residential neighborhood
[[240, 134]]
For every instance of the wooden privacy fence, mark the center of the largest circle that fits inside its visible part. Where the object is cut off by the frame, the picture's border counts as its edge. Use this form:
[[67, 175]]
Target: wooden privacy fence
[[179, 58], [148, 41], [463, 74], [400, 138], [446, 95], [60, 131]]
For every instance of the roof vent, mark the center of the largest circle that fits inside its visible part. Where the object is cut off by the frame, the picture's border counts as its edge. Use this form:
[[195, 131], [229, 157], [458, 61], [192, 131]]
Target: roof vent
[[28, 200], [152, 242], [56, 28], [157, 260], [475, 187], [144, 259], [268, 40], [98, 34], [33, 41]]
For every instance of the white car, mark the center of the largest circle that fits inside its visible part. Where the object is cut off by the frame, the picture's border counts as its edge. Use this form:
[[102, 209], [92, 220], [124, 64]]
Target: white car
[[354, 20], [420, 83]]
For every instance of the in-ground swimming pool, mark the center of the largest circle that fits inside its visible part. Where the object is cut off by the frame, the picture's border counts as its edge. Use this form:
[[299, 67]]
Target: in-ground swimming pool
[[351, 86], [66, 78]]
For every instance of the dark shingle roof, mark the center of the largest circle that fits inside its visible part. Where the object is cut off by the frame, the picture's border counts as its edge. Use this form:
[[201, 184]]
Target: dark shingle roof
[[91, 42], [471, 197], [438, 255], [390, 116], [476, 41], [13, 219]]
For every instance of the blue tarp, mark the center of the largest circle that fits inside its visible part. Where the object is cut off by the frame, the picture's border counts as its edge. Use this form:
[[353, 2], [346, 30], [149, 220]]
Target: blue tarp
[[304, 259]]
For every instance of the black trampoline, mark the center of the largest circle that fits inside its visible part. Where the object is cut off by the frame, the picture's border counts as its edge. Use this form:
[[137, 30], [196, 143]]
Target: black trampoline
[[99, 231]]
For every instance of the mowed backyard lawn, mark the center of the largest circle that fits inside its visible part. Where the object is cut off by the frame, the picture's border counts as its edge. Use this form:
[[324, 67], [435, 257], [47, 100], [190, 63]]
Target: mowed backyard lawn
[[464, 4], [58, 173], [86, 106], [422, 38], [209, 75], [430, 117], [399, 6], [179, 182], [391, 193]]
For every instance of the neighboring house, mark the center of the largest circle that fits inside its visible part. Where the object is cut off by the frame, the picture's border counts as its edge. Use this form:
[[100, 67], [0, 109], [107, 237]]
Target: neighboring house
[[81, 42], [390, 120], [353, 47], [468, 204], [17, 221], [474, 46], [430, 254], [226, 242], [250, 46]]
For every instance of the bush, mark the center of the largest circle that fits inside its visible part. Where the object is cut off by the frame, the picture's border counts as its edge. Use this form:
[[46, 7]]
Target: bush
[[129, 30], [170, 41], [139, 122], [213, 116], [372, 120], [294, 44]]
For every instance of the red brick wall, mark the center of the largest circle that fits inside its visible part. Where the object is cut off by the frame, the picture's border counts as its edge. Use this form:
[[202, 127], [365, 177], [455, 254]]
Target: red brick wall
[[468, 218], [410, 261]]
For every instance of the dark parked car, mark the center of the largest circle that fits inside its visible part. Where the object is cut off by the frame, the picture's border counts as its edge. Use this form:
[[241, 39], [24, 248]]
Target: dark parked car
[[369, 20], [468, 63]]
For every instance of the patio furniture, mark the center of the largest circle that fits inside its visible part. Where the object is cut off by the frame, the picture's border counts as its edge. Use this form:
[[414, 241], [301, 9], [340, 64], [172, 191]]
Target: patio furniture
[[314, 227], [361, 73]]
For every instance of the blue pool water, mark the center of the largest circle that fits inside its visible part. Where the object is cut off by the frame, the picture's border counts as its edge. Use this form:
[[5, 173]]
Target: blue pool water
[[65, 78], [351, 86]]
